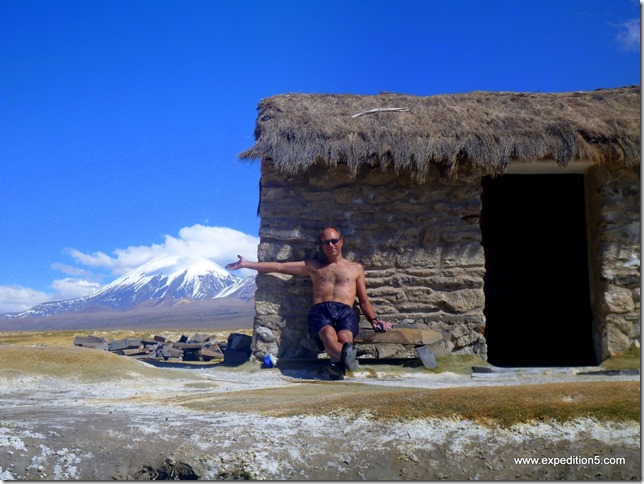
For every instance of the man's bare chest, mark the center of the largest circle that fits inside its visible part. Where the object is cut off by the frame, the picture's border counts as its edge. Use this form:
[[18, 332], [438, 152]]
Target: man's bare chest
[[334, 275]]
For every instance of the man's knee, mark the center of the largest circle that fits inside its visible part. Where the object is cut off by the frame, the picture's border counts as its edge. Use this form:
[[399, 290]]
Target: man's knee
[[345, 336], [327, 332]]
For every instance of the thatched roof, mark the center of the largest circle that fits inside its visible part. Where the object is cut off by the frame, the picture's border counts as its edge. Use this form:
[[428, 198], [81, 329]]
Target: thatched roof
[[485, 130]]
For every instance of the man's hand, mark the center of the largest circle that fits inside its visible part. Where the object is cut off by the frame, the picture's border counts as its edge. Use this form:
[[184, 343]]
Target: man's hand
[[382, 326], [233, 266]]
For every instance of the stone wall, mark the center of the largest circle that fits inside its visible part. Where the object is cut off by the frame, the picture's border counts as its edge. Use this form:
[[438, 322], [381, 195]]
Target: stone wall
[[615, 228], [420, 247]]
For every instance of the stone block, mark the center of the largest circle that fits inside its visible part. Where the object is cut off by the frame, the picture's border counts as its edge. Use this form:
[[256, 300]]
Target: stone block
[[134, 351], [618, 300], [426, 356], [168, 351], [236, 358], [188, 346], [441, 348], [264, 334], [388, 350], [409, 336], [617, 342], [629, 325], [238, 342], [192, 354], [198, 338], [211, 353], [123, 344], [238, 349]]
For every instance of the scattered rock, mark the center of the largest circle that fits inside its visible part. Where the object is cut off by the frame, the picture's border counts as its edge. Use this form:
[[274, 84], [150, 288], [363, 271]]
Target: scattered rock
[[238, 350], [199, 347], [168, 470]]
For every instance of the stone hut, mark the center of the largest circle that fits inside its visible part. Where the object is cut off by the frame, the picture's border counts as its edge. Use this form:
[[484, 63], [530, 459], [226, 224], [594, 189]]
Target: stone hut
[[508, 221]]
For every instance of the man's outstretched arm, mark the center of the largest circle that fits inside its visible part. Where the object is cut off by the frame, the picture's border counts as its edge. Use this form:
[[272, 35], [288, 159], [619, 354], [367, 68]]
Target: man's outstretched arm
[[297, 268]]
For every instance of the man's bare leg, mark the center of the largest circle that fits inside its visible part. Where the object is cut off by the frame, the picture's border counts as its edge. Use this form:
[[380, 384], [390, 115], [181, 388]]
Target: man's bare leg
[[333, 341]]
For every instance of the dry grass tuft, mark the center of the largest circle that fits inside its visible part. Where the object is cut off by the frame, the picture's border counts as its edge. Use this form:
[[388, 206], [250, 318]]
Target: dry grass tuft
[[53, 354], [73, 362]]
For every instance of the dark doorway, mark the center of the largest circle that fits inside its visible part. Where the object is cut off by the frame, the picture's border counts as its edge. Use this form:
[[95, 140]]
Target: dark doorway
[[537, 298]]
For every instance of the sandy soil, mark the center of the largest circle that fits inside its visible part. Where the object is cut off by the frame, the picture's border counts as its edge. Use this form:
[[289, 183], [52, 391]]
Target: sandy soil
[[208, 424]]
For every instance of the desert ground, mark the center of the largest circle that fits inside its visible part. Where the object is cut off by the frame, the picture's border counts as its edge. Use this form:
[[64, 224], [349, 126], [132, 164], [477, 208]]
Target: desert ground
[[70, 413]]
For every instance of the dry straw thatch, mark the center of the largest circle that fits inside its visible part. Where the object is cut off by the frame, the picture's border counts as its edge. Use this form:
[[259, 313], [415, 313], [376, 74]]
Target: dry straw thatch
[[481, 130]]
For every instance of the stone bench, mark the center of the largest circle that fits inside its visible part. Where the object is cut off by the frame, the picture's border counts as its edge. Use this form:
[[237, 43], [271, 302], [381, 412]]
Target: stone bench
[[403, 342]]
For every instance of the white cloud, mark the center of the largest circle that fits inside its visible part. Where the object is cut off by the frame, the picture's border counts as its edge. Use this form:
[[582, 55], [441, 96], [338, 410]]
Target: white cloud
[[14, 299], [70, 288], [220, 244], [97, 259], [628, 34], [70, 270]]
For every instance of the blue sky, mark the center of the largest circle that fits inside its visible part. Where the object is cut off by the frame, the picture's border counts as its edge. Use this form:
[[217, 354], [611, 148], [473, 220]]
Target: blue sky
[[122, 121]]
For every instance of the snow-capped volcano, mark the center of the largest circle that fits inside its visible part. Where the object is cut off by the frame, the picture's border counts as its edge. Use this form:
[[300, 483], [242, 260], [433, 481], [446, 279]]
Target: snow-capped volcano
[[168, 277], [163, 279]]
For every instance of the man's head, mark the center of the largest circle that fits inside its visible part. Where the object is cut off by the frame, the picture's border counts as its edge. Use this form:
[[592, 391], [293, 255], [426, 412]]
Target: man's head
[[331, 242]]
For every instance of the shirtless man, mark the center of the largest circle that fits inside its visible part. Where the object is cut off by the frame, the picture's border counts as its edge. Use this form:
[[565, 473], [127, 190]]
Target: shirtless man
[[336, 283]]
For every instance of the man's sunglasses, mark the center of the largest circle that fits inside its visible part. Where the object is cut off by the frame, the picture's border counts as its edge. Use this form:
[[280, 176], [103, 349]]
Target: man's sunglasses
[[329, 242]]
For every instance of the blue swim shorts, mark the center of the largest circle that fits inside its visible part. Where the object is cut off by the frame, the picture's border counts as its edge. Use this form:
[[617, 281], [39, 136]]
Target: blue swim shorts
[[338, 315]]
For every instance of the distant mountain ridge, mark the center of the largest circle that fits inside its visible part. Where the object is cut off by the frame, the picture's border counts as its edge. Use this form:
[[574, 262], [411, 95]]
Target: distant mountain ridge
[[164, 281]]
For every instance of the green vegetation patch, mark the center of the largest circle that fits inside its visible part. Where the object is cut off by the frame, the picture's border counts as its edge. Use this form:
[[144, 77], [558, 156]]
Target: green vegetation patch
[[504, 405], [629, 360], [460, 364], [508, 405]]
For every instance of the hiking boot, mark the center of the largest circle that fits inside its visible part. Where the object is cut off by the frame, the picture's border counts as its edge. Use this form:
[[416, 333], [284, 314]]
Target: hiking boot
[[336, 371], [350, 357]]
